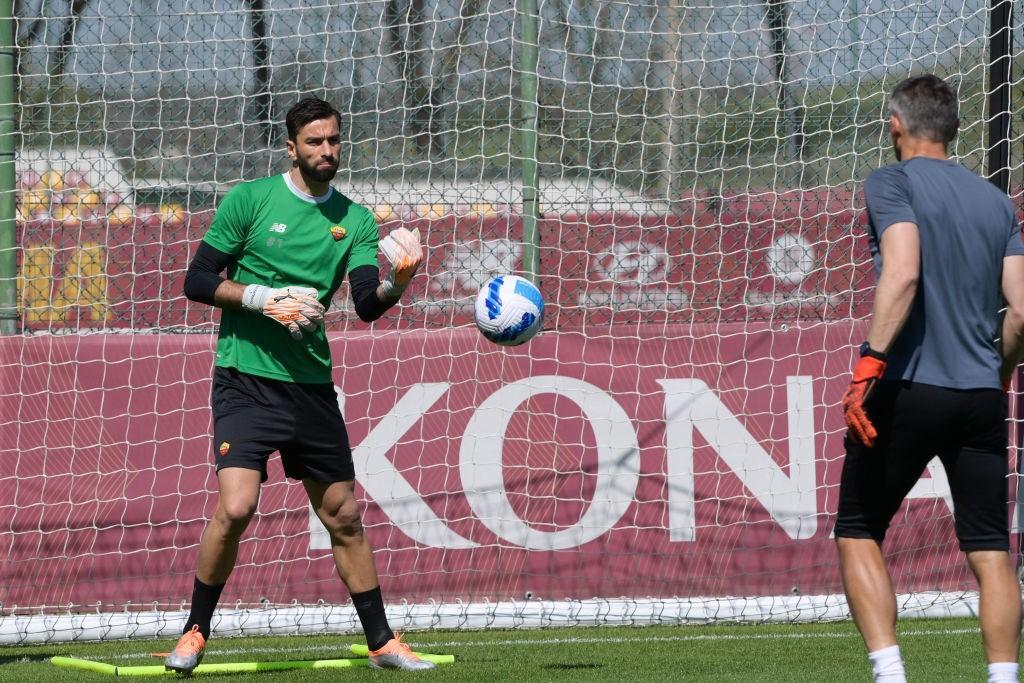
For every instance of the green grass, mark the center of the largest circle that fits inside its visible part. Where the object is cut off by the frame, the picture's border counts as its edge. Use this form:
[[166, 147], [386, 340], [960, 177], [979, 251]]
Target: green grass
[[934, 650]]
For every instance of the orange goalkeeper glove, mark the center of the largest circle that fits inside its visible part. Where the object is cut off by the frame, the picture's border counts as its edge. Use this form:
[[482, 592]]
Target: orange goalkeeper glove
[[296, 308], [866, 373], [403, 251]]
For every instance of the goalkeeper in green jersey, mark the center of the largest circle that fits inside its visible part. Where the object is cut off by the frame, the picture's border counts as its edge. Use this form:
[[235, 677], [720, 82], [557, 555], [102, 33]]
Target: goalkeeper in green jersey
[[286, 242]]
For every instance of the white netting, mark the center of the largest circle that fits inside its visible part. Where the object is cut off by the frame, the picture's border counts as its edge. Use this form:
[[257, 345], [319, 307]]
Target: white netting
[[667, 449]]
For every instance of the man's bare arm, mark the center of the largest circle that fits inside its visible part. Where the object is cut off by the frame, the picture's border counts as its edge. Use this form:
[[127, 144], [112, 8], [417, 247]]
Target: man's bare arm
[[897, 286], [1012, 338]]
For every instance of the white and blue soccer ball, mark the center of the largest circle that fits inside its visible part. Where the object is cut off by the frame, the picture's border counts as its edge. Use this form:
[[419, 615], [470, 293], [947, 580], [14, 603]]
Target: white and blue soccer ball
[[509, 310]]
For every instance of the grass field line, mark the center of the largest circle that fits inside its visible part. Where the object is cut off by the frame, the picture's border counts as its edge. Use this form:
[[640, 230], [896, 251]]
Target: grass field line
[[342, 650]]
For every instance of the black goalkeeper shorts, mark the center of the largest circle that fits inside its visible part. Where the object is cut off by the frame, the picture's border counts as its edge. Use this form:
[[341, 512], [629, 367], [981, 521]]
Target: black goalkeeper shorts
[[966, 429], [255, 416]]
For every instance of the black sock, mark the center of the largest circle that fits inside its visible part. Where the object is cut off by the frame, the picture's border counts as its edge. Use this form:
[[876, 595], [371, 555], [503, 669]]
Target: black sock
[[204, 601], [370, 608]]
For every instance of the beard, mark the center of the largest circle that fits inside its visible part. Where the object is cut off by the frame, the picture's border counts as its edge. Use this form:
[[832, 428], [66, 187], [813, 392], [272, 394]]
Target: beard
[[319, 175]]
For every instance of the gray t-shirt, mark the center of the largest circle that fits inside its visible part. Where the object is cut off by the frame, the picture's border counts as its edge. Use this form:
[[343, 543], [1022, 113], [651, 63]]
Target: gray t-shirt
[[966, 227]]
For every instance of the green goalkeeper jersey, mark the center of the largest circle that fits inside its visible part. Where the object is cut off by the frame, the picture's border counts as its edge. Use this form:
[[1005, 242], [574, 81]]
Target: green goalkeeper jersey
[[282, 237]]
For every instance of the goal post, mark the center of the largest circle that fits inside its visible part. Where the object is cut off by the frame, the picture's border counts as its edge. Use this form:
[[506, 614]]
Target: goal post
[[8, 229], [683, 181]]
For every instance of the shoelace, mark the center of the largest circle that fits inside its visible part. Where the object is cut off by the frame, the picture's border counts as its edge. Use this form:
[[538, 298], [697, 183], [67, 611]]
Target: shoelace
[[401, 647], [191, 642]]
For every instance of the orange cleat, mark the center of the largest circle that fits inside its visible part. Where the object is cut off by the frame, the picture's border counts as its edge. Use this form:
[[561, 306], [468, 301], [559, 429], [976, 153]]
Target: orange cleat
[[187, 653], [397, 655]]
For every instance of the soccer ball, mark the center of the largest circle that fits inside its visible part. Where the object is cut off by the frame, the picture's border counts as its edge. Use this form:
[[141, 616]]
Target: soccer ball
[[509, 310]]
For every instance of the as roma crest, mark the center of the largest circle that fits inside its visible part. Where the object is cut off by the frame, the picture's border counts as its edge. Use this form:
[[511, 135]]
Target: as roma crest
[[224, 448], [338, 232]]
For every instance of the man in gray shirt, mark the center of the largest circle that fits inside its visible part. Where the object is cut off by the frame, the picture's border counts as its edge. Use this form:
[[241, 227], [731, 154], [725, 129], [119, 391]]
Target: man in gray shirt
[[931, 379]]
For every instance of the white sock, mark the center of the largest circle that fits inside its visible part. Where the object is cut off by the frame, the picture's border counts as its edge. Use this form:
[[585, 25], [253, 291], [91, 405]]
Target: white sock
[[887, 665], [1002, 672]]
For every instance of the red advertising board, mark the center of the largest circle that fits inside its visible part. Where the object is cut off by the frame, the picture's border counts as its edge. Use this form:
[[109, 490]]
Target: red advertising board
[[671, 460], [774, 256]]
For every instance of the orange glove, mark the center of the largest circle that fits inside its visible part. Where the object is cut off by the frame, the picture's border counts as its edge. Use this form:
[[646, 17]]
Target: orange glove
[[297, 308], [403, 251], [866, 372]]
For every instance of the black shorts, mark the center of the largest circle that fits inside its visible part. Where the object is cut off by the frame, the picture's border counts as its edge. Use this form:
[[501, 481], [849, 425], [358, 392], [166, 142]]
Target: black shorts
[[966, 429], [255, 416]]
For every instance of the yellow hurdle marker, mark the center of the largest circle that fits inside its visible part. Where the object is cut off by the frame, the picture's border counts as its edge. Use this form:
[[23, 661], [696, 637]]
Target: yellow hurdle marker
[[84, 665], [222, 668], [360, 651]]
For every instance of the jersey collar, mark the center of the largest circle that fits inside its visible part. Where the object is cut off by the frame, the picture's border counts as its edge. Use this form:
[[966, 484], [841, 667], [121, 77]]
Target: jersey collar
[[307, 197]]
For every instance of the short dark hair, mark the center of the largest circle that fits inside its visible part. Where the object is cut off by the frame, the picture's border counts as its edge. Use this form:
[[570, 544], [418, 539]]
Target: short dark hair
[[928, 108], [306, 111]]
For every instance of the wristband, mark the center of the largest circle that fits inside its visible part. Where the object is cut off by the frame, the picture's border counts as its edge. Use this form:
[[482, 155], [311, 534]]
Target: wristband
[[254, 298], [389, 290], [866, 350]]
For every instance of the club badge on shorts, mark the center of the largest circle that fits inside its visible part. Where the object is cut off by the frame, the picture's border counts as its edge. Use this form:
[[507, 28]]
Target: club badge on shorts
[[338, 232], [224, 448]]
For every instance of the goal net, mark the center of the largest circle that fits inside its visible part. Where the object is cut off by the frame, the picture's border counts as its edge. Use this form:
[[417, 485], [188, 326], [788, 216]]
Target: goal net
[[668, 449]]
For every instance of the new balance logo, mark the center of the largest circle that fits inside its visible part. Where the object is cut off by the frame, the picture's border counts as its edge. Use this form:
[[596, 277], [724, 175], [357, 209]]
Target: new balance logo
[[278, 227]]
